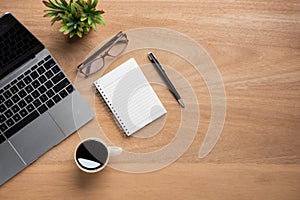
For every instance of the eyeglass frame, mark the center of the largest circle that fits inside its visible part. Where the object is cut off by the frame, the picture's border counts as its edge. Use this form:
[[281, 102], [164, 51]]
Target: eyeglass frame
[[108, 45]]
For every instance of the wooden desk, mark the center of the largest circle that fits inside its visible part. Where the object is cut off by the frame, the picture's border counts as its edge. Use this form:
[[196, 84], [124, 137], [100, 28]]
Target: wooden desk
[[255, 45]]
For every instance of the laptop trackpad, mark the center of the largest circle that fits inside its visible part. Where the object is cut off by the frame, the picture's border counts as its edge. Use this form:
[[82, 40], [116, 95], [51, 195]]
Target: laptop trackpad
[[36, 138], [71, 113]]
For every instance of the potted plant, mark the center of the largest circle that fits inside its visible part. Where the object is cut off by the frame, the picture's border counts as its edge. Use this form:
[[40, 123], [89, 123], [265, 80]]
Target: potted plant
[[77, 17]]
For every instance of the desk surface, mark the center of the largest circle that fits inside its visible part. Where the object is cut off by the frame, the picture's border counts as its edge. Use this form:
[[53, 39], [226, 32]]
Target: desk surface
[[255, 45]]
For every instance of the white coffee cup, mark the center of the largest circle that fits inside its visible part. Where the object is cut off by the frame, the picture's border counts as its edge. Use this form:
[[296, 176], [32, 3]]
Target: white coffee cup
[[92, 155]]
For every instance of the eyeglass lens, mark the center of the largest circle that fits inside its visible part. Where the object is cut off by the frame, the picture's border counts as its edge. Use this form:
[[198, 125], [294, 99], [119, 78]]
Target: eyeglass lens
[[116, 49]]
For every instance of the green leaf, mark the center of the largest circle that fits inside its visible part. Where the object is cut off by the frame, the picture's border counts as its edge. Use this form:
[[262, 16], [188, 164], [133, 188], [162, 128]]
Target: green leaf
[[54, 3], [63, 29], [71, 34], [89, 3], [57, 18], [94, 4], [86, 30], [89, 20], [65, 3], [83, 19], [73, 8], [70, 24], [94, 26], [79, 34]]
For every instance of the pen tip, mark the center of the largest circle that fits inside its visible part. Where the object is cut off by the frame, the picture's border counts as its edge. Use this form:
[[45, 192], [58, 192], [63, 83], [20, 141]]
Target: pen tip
[[181, 103]]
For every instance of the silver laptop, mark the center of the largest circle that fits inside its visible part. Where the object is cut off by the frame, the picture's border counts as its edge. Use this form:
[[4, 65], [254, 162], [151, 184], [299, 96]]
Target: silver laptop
[[39, 106]]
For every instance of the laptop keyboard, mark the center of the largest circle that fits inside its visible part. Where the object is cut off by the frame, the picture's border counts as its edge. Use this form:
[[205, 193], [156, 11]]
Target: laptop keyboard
[[30, 95]]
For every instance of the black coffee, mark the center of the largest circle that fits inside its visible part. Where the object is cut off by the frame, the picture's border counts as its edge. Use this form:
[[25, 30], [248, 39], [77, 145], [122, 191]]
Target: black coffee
[[91, 155]]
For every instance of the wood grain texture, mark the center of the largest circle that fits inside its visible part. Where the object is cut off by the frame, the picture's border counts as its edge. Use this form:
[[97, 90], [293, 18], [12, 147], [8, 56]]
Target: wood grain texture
[[256, 46]]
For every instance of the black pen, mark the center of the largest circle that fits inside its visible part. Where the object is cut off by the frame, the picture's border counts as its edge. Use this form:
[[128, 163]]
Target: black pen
[[164, 76]]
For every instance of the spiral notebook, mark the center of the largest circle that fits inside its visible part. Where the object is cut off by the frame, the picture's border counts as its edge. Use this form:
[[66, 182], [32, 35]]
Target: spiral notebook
[[130, 97]]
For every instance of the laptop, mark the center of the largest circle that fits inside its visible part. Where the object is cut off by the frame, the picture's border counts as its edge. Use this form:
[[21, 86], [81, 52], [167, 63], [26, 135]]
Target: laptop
[[39, 106]]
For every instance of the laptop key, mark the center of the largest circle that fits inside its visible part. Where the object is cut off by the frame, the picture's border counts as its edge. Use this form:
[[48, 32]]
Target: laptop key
[[37, 103], [63, 93], [49, 84], [36, 84], [28, 98], [14, 89], [49, 74], [42, 79], [35, 94], [49, 63], [42, 89], [47, 58], [22, 93], [8, 113], [20, 77], [58, 77], [2, 118], [30, 108], [7, 87], [50, 93], [20, 84], [3, 127], [15, 108], [15, 98], [34, 75], [2, 108], [50, 103], [34, 67], [27, 72], [41, 70], [56, 98], [70, 89], [42, 109], [18, 126], [61, 85], [16, 117], [1, 99], [7, 94], [14, 82], [10, 122], [23, 112], [27, 80], [29, 88], [55, 69], [43, 98], [40, 63], [8, 103], [22, 103]]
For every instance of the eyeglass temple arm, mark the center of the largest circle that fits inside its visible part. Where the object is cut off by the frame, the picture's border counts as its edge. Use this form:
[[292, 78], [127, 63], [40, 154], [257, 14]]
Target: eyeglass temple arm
[[104, 47]]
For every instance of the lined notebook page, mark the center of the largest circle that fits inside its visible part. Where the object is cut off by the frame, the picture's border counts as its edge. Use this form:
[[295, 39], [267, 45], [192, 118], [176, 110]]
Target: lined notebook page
[[130, 97]]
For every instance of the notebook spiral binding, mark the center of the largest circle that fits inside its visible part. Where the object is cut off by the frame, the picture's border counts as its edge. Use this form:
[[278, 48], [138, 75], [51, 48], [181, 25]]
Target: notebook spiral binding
[[115, 115]]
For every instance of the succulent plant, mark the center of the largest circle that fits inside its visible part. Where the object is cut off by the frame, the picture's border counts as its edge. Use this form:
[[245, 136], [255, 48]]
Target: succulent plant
[[77, 17]]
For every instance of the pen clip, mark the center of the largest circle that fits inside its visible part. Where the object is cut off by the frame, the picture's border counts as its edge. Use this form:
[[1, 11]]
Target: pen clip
[[151, 56], [154, 60]]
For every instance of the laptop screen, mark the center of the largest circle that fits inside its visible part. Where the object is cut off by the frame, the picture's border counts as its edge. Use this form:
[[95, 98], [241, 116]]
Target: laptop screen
[[17, 44]]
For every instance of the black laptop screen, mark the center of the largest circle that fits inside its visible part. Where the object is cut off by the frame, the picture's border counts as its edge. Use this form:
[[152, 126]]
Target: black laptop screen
[[17, 44]]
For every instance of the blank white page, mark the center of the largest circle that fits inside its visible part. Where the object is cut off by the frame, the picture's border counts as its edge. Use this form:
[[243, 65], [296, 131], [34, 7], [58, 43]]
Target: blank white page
[[130, 97]]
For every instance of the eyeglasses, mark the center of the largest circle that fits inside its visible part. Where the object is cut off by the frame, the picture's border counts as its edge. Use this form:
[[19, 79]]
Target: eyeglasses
[[114, 47]]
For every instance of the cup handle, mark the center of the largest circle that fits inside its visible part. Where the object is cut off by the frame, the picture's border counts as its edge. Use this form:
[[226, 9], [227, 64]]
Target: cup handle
[[115, 151]]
